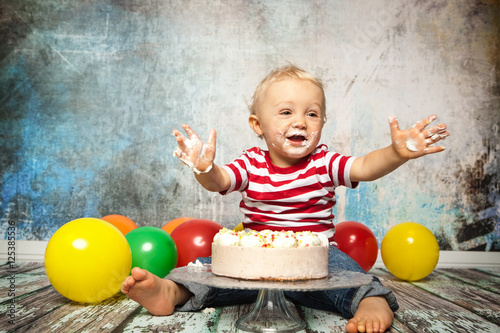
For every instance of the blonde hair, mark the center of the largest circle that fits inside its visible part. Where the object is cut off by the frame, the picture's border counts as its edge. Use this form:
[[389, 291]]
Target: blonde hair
[[283, 73]]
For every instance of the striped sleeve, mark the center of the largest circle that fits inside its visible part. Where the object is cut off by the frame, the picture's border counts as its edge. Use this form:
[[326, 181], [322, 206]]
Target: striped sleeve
[[340, 168], [238, 170]]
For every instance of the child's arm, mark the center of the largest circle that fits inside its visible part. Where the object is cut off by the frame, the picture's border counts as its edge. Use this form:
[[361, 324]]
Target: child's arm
[[199, 156], [406, 144]]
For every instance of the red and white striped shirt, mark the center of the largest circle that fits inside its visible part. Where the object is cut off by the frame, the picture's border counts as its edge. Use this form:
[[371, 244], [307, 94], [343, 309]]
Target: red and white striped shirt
[[297, 198]]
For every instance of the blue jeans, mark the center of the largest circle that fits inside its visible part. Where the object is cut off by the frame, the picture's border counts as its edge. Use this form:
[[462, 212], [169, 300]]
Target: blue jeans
[[344, 301]]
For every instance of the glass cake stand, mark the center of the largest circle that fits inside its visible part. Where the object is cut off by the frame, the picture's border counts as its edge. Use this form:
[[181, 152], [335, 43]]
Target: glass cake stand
[[270, 313]]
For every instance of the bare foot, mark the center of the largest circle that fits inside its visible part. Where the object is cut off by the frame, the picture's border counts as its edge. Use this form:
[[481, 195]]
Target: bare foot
[[158, 296], [373, 315]]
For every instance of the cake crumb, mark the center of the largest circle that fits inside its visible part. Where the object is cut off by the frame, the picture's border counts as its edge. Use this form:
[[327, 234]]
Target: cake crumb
[[195, 264]]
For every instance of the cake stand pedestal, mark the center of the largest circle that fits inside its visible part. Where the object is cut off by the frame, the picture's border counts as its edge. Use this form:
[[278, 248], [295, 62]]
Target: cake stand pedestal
[[270, 313]]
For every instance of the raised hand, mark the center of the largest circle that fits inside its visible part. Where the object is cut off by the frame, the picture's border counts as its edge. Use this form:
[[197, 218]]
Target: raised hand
[[418, 140], [193, 152]]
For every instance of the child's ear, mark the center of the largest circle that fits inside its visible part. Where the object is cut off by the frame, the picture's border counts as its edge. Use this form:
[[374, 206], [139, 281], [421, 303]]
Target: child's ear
[[254, 123]]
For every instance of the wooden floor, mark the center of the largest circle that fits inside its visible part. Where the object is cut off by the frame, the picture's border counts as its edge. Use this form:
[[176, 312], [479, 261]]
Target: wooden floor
[[448, 300]]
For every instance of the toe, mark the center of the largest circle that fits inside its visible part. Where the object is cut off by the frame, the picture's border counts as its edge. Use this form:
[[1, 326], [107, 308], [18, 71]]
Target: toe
[[127, 284], [352, 325], [369, 327], [139, 274], [362, 326]]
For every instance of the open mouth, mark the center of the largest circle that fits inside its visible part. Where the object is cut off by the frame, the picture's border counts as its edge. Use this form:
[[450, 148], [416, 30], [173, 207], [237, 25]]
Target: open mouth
[[297, 139]]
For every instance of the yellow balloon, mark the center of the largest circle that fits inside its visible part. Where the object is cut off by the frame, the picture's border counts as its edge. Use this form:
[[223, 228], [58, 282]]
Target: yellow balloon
[[87, 259], [239, 227], [410, 251]]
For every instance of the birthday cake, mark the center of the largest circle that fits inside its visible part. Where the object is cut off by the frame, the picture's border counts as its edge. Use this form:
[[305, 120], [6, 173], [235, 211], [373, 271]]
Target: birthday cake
[[270, 255]]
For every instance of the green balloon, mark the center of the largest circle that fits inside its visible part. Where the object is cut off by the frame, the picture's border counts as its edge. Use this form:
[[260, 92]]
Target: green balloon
[[152, 249]]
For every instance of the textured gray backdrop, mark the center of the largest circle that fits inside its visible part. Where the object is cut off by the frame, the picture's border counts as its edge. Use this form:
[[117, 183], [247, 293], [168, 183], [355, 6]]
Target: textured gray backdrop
[[91, 90]]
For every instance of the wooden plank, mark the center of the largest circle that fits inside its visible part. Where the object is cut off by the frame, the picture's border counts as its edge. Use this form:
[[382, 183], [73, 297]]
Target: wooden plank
[[316, 320], [29, 308], [476, 299], [220, 320], [224, 321], [399, 327], [475, 277], [449, 300], [199, 321], [37, 305], [422, 311], [23, 283], [227, 319], [322, 321], [18, 268], [490, 270], [70, 316], [326, 321]]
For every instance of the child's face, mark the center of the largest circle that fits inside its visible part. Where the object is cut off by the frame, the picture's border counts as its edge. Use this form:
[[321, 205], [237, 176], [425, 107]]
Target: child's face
[[289, 117]]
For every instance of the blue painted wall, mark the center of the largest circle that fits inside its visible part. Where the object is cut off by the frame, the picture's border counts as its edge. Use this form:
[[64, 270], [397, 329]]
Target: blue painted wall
[[91, 90]]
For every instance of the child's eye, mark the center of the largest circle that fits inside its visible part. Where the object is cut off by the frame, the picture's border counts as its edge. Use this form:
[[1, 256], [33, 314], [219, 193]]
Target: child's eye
[[313, 114], [286, 112]]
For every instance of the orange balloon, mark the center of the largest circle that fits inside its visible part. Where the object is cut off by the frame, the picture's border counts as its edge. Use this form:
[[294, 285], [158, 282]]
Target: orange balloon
[[123, 223], [170, 226]]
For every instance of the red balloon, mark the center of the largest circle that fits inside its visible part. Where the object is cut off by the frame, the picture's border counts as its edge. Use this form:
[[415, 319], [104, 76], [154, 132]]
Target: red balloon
[[358, 242], [194, 239]]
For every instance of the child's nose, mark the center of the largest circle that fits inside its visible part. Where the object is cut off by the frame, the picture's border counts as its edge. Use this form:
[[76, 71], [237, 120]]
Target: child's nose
[[299, 125], [299, 122]]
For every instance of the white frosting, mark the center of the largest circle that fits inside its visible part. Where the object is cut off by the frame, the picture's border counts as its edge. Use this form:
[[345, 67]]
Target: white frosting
[[267, 235], [268, 238], [251, 239], [307, 238], [227, 237], [195, 264], [190, 144], [284, 240], [178, 154], [411, 145]]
